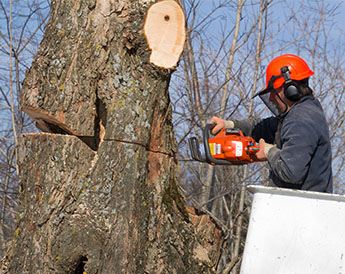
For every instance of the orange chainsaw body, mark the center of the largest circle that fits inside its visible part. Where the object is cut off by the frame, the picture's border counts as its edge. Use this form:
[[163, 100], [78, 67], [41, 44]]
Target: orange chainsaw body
[[233, 146], [228, 147]]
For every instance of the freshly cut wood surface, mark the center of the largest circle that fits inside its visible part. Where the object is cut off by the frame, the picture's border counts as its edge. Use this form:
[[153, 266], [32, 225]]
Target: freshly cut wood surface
[[165, 32]]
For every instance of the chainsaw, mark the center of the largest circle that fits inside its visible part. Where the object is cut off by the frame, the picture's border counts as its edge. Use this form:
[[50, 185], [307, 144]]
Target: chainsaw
[[228, 147]]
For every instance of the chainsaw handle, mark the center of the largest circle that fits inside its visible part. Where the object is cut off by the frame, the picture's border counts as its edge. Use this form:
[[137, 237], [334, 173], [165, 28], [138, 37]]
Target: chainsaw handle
[[209, 158]]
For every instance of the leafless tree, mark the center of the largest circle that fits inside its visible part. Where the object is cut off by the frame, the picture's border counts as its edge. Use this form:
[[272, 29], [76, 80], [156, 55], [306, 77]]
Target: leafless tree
[[21, 24], [228, 47], [100, 193]]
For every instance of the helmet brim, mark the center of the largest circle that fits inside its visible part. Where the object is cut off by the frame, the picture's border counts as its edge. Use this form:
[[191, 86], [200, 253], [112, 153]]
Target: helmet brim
[[262, 92]]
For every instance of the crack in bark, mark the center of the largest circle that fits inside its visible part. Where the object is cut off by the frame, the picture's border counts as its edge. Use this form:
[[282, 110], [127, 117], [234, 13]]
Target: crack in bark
[[97, 127], [80, 269], [139, 144], [110, 13]]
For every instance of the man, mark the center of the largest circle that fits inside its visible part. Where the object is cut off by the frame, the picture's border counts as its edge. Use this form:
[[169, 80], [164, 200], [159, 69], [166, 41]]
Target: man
[[295, 141]]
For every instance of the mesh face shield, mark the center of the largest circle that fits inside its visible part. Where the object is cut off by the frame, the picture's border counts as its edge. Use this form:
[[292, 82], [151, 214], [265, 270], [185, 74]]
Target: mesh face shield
[[265, 97], [272, 107]]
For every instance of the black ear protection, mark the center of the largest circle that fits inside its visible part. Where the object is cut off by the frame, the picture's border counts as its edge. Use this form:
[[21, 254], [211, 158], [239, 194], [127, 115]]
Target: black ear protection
[[292, 90]]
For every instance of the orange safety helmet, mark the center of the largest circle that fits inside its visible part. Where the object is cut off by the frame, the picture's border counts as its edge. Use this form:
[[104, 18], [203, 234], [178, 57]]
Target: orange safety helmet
[[298, 69]]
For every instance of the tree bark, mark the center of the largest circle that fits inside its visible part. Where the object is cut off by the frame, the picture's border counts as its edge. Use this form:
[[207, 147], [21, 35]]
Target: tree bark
[[98, 189]]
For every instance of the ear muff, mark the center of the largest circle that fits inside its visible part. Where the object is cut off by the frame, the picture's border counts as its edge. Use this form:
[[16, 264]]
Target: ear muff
[[291, 89]]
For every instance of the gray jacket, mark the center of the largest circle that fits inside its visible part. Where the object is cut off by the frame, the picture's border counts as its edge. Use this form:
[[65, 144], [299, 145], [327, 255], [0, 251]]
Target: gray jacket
[[302, 158]]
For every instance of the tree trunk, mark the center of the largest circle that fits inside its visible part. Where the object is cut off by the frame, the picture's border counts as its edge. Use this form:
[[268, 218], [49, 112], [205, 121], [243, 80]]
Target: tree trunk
[[98, 189]]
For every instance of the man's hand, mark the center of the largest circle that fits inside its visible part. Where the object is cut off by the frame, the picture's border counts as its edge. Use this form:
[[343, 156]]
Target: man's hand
[[220, 124], [264, 148]]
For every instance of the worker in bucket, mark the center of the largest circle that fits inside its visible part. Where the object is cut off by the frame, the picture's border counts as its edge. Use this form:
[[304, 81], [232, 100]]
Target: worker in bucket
[[295, 141]]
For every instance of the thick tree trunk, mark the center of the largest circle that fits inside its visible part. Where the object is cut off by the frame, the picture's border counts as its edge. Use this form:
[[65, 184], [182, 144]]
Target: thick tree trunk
[[98, 190]]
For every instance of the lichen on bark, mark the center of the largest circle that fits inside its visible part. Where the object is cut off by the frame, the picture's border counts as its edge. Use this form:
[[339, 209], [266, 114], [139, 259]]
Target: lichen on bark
[[102, 197]]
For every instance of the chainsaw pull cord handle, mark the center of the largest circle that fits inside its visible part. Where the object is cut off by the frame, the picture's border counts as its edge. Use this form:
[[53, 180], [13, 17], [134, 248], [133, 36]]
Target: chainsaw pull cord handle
[[209, 158]]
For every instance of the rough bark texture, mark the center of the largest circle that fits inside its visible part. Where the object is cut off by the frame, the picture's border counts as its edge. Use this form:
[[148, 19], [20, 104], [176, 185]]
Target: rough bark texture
[[105, 200]]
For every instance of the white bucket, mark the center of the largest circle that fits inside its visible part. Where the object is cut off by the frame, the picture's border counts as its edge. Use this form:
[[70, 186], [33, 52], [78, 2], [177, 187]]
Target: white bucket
[[295, 232]]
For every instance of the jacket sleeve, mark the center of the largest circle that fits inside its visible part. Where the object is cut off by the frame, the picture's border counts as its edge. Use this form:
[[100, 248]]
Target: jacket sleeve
[[258, 128], [291, 163]]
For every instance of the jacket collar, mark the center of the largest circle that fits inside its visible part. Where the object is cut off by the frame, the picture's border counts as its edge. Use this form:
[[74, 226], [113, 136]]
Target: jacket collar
[[305, 98]]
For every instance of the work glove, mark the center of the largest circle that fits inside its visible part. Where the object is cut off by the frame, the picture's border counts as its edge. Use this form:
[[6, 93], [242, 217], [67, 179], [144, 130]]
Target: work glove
[[264, 148], [220, 124]]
